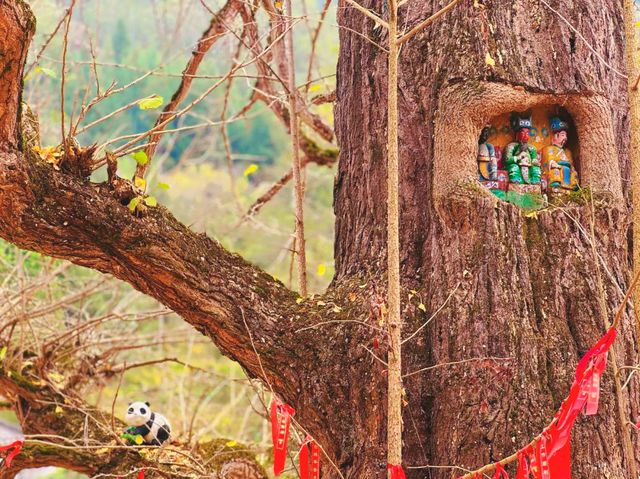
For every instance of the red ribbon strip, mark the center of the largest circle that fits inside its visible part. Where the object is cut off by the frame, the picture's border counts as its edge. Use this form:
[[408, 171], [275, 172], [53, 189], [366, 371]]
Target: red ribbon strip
[[543, 458], [15, 447], [280, 422], [309, 470], [396, 471], [141, 474], [523, 465], [551, 456], [500, 472]]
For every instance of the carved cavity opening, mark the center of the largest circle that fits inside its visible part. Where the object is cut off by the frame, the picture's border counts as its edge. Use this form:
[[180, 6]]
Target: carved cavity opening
[[465, 109], [525, 157]]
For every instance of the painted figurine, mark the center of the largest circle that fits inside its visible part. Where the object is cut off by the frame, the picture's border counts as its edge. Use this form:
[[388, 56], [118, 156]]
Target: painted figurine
[[521, 158], [487, 158], [557, 162]]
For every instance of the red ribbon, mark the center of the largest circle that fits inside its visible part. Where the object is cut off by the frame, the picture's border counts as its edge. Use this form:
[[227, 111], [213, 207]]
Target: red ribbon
[[543, 458], [396, 471], [141, 474], [523, 465], [15, 447], [309, 470], [280, 422], [500, 472]]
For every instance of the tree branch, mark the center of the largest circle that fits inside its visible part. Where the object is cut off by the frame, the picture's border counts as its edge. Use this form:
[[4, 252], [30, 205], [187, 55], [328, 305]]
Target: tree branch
[[217, 27], [67, 217]]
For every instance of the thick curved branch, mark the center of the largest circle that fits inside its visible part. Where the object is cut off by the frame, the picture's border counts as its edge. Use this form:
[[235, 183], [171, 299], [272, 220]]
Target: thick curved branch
[[60, 215], [251, 317]]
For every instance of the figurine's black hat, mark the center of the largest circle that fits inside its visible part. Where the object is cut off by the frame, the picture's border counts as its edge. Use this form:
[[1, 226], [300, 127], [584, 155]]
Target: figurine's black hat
[[519, 122]]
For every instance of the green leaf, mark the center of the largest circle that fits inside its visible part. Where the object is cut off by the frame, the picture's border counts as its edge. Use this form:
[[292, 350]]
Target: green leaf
[[151, 102], [140, 157], [3, 352], [249, 170], [151, 201], [47, 71], [133, 204], [163, 186]]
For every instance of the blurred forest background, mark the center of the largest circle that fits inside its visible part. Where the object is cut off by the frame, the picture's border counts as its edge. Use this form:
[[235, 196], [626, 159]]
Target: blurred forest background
[[102, 331]]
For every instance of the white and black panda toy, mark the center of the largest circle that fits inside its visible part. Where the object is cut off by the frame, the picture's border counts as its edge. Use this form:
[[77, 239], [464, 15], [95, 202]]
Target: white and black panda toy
[[151, 426]]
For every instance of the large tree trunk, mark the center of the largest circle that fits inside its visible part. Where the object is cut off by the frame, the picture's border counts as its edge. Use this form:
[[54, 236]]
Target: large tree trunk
[[528, 285], [523, 290]]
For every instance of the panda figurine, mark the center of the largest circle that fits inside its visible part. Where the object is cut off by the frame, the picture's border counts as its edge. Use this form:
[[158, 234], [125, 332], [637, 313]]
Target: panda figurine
[[153, 428]]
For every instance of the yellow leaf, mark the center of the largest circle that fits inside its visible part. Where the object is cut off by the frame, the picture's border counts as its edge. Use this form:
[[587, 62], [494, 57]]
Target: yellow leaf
[[299, 300], [50, 154], [249, 170], [422, 307], [637, 24], [133, 204], [56, 378], [140, 182], [322, 269], [3, 352], [278, 4], [151, 201], [336, 309], [139, 440], [321, 303], [151, 102], [489, 61], [532, 214], [313, 88], [231, 443], [59, 410]]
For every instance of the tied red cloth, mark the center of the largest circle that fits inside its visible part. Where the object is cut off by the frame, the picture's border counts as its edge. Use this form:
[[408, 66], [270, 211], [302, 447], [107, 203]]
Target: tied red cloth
[[551, 456], [396, 471], [309, 469], [500, 472], [14, 449], [524, 463], [141, 474], [280, 422]]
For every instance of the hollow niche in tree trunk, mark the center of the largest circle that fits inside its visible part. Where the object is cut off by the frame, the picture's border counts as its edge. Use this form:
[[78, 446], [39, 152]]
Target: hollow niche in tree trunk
[[456, 135], [520, 291]]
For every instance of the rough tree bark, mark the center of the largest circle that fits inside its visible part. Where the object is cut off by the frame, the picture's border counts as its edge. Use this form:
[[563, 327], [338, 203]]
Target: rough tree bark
[[518, 287]]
